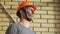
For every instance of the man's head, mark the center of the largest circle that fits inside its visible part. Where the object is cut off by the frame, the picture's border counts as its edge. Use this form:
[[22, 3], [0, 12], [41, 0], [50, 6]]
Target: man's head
[[26, 11]]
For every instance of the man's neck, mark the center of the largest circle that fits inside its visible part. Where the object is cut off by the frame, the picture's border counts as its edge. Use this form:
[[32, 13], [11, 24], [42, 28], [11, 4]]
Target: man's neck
[[24, 22]]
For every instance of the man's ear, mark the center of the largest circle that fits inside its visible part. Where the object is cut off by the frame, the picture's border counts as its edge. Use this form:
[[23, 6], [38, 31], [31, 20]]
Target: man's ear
[[21, 11], [22, 14]]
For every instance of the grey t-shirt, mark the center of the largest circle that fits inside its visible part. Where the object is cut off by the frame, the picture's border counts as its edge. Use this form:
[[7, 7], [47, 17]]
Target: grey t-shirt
[[17, 28]]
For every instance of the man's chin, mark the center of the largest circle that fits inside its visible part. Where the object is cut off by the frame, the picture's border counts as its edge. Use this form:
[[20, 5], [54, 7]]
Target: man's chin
[[30, 19]]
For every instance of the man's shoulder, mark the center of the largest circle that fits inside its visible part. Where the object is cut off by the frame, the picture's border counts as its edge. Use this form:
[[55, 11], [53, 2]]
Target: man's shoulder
[[14, 25]]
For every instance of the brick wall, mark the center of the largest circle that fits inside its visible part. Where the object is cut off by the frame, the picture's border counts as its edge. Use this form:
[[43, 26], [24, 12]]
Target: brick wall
[[46, 18]]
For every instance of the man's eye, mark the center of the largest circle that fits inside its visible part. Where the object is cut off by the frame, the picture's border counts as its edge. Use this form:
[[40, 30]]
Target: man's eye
[[32, 11]]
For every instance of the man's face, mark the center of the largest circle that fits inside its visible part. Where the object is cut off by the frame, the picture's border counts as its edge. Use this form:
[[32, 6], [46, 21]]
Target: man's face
[[30, 13]]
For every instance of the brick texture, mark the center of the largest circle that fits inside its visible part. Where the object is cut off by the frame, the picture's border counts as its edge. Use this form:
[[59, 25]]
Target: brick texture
[[12, 11], [0, 27], [2, 2], [34, 0], [48, 16], [48, 25], [34, 24], [36, 16], [41, 12], [40, 20], [47, 8], [57, 25], [53, 4], [54, 12], [41, 29], [11, 3], [2, 32], [46, 0], [40, 4], [18, 0], [46, 19], [48, 33], [53, 21], [0, 11], [54, 29], [7, 7], [5, 0], [38, 33], [5, 24]]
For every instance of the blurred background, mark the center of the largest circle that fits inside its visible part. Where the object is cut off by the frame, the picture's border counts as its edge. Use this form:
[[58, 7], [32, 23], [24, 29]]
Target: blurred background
[[46, 19]]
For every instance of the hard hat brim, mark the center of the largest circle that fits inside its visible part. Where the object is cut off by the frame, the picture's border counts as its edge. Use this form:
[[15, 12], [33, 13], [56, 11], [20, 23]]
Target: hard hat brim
[[34, 7]]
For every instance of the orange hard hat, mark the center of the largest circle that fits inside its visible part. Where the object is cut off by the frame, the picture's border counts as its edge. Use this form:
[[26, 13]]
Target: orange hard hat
[[24, 4]]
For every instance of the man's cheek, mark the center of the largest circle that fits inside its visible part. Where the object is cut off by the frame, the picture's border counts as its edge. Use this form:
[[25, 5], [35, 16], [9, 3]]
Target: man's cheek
[[32, 15]]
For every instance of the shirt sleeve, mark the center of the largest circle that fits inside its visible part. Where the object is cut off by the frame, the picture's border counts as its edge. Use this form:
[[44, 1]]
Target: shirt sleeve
[[11, 30]]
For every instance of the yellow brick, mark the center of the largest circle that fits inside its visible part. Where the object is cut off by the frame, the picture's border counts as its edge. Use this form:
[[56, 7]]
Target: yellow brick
[[11, 3], [4, 23], [40, 4], [12, 11], [48, 33], [0, 10], [47, 8], [58, 33], [14, 7], [53, 21], [57, 1], [0, 27], [54, 29], [34, 24], [7, 19], [57, 8], [14, 15], [36, 16], [41, 12], [4, 15], [38, 8], [0, 19], [7, 7], [40, 29], [53, 12], [2, 2], [31, 28], [1, 7], [57, 17], [40, 20], [2, 32], [34, 0], [5, 0], [48, 16], [15, 18], [57, 25], [53, 4], [4, 27], [48, 25], [18, 0], [38, 33], [46, 0]]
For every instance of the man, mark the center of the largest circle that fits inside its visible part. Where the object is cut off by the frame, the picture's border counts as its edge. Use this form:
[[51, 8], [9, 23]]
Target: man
[[26, 13]]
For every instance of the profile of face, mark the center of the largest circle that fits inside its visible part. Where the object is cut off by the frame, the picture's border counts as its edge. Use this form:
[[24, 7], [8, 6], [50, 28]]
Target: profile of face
[[27, 13], [30, 13]]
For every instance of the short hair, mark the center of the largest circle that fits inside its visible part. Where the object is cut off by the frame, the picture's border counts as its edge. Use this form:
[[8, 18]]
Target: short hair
[[23, 9]]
